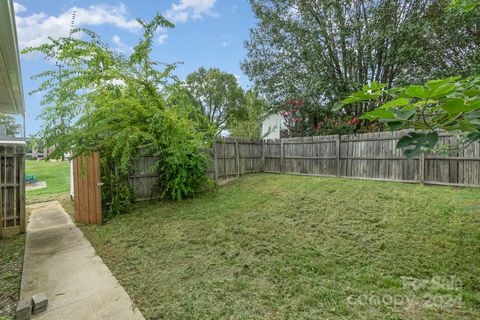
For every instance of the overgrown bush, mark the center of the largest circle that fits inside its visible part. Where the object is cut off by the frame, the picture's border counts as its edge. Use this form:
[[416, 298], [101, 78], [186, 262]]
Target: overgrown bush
[[123, 107]]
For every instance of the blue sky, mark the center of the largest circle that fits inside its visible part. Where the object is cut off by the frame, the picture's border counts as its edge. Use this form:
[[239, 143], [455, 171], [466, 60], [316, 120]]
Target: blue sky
[[208, 33]]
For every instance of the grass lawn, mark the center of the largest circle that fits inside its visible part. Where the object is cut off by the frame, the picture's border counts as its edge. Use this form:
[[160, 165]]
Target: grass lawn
[[11, 260], [293, 247], [56, 174]]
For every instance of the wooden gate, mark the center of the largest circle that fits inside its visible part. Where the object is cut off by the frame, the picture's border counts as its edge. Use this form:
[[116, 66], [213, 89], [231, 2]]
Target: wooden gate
[[12, 189], [87, 184]]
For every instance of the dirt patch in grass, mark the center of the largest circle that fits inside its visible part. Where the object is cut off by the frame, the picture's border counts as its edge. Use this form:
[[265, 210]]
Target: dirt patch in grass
[[292, 247], [11, 261]]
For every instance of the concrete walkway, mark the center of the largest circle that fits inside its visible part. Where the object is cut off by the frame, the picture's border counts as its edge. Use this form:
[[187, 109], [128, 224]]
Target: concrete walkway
[[61, 263]]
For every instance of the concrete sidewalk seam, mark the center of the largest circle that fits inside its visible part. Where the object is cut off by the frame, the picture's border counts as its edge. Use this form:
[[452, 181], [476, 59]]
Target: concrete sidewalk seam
[[60, 262]]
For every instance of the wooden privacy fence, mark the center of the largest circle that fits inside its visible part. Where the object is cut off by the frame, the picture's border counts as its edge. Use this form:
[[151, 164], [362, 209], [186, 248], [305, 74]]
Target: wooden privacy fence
[[370, 156], [12, 189], [143, 179]]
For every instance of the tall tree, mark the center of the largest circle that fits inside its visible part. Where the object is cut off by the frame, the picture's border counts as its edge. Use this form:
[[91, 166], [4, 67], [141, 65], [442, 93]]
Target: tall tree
[[13, 128], [248, 122], [217, 93], [451, 104], [122, 106], [319, 50]]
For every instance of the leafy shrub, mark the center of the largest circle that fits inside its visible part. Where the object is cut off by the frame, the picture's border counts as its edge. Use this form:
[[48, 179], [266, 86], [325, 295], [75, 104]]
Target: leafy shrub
[[123, 107]]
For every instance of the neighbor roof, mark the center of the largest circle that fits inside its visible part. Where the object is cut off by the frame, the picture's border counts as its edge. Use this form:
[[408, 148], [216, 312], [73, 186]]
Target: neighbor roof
[[11, 140], [11, 90]]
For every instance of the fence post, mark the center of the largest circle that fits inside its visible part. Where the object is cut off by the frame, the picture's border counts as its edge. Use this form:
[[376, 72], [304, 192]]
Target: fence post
[[263, 155], [337, 154], [23, 225], [237, 157], [215, 161], [224, 158], [282, 157], [421, 171]]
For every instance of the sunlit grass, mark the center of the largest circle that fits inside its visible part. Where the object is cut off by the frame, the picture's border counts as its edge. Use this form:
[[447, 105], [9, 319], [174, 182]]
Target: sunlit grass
[[55, 173], [292, 247]]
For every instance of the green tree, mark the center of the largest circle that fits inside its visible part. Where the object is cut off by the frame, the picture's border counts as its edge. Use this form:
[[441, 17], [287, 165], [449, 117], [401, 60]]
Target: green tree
[[13, 128], [451, 104], [123, 107], [319, 51], [217, 94], [35, 144], [464, 5], [248, 122]]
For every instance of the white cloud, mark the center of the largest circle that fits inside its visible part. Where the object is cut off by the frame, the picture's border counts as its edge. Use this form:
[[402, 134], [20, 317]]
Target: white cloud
[[34, 29], [18, 8], [185, 10], [120, 45], [226, 42], [162, 38], [117, 40]]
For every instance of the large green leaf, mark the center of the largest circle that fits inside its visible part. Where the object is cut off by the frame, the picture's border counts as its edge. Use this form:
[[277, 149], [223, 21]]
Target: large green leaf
[[423, 103], [472, 92], [434, 84], [349, 100], [473, 105], [473, 117], [395, 125], [374, 86], [415, 143], [405, 114], [415, 91], [363, 96], [457, 105], [395, 103], [442, 90], [378, 114], [337, 106], [465, 125]]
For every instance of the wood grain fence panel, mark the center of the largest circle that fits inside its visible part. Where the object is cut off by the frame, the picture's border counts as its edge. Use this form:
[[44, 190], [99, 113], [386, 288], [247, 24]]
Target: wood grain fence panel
[[250, 155], [231, 159], [144, 180], [87, 195], [12, 190], [272, 156], [364, 156], [76, 187]]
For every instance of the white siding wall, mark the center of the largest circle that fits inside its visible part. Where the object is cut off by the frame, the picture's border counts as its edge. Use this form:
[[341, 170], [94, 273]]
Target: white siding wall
[[271, 126]]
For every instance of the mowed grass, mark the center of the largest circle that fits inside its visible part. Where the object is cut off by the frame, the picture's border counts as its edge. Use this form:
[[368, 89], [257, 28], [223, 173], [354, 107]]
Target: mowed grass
[[55, 173], [11, 260], [293, 247]]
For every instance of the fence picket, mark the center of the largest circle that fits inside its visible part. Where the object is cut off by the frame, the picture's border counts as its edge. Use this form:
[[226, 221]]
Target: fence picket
[[365, 156]]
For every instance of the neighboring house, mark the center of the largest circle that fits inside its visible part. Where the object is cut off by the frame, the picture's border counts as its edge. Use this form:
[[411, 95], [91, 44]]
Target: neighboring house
[[34, 152], [272, 126]]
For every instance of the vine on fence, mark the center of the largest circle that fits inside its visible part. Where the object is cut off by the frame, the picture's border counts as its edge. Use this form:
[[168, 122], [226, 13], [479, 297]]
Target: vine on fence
[[123, 107]]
